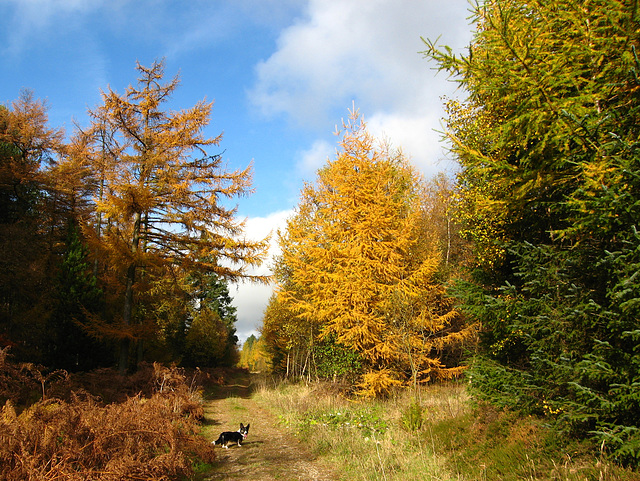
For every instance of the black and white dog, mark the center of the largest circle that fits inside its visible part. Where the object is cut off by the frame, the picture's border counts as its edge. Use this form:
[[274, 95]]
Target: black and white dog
[[233, 437]]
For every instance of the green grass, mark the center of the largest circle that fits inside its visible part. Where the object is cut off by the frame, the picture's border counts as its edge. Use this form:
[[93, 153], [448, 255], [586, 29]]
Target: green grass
[[436, 433]]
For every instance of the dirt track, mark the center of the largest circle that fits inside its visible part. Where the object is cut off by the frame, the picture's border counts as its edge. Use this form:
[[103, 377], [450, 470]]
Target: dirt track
[[268, 453]]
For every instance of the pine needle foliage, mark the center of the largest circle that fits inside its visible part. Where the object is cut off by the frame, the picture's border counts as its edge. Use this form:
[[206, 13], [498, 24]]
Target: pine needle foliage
[[30, 223], [548, 143]]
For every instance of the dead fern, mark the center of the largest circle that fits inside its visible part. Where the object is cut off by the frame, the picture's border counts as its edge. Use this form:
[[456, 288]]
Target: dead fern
[[144, 437]]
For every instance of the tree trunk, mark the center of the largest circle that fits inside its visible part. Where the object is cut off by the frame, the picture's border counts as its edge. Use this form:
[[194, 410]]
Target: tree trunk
[[128, 298]]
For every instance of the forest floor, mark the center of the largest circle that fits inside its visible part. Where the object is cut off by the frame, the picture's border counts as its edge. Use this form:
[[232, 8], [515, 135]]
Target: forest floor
[[269, 452], [456, 441]]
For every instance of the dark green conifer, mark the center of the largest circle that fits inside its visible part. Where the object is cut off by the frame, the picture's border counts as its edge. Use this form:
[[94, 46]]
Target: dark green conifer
[[548, 141]]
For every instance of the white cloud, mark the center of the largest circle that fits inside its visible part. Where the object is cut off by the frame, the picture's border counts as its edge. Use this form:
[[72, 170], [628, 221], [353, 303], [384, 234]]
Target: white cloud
[[251, 299], [365, 51], [418, 138], [310, 160]]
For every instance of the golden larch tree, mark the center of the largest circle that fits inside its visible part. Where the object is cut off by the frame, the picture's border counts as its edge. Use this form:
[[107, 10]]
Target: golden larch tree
[[158, 192], [353, 265]]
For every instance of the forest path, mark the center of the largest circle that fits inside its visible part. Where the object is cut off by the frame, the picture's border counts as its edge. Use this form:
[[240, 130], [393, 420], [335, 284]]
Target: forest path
[[269, 452]]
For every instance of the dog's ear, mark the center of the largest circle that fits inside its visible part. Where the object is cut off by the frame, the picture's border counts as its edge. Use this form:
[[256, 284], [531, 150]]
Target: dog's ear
[[247, 426], [241, 426]]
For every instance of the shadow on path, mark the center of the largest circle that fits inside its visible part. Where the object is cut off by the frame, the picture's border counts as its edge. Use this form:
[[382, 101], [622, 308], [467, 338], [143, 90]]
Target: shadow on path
[[235, 384]]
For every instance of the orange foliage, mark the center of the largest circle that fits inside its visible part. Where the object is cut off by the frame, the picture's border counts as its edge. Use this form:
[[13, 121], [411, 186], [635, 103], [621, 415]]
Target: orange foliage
[[356, 265], [151, 438], [156, 194]]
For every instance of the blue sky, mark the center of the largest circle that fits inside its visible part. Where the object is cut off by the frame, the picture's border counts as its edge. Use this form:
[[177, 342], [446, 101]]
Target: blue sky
[[282, 74]]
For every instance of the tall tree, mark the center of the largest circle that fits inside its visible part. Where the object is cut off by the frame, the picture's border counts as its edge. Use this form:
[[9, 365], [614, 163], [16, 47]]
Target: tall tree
[[356, 270], [289, 339], [75, 296], [548, 141], [158, 195], [440, 226], [28, 146]]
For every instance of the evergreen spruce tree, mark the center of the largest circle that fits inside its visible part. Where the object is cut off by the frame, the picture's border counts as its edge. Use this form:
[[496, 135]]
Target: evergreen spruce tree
[[30, 230], [548, 143], [77, 296], [212, 305]]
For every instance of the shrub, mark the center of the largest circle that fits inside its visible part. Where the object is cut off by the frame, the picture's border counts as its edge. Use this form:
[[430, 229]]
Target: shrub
[[337, 362], [151, 438], [412, 419]]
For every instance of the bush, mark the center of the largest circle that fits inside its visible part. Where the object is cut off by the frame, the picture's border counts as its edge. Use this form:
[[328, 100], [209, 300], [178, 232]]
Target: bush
[[335, 362], [150, 438], [412, 419]]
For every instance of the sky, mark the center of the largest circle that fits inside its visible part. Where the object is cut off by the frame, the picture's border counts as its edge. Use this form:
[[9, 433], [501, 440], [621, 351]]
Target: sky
[[282, 75]]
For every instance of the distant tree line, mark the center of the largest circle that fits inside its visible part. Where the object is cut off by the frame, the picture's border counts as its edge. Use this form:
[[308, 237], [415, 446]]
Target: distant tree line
[[253, 355]]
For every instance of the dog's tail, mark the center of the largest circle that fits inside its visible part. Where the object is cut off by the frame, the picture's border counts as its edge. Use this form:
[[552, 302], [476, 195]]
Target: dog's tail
[[220, 440]]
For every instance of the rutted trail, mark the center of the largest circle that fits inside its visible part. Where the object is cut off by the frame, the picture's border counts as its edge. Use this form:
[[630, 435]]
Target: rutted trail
[[268, 453]]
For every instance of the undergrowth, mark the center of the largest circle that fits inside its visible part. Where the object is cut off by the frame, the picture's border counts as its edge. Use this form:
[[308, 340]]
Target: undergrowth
[[435, 433], [72, 434]]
